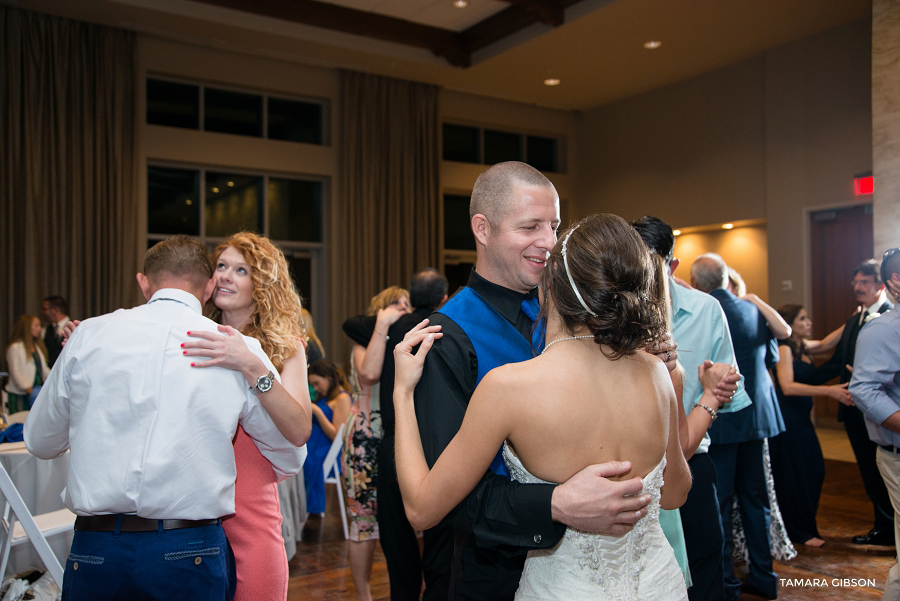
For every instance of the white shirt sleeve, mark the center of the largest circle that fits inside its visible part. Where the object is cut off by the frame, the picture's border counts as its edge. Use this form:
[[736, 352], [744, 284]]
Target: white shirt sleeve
[[286, 459], [47, 427]]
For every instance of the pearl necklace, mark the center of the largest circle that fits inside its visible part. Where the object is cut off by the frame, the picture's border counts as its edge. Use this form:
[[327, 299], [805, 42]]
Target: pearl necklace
[[566, 338]]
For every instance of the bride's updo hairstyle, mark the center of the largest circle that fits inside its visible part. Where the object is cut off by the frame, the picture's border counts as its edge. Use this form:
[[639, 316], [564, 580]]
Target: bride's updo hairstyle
[[605, 282]]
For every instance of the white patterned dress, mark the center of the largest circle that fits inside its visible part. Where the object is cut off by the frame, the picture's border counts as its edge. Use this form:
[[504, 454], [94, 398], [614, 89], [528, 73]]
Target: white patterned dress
[[637, 566]]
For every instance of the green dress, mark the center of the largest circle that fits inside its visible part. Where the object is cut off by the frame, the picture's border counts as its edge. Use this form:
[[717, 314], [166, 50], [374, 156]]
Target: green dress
[[670, 520]]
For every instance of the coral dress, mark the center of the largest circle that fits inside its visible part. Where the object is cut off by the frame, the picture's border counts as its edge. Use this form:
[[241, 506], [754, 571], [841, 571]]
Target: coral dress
[[255, 530]]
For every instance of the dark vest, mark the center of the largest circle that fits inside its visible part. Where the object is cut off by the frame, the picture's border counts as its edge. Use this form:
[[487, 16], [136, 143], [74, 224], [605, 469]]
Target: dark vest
[[496, 341]]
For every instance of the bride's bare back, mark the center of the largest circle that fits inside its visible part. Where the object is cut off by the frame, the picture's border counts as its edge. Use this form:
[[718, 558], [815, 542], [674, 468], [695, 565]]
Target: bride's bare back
[[573, 407]]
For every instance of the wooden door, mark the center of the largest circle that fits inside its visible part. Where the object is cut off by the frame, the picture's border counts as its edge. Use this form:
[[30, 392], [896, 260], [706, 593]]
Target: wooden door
[[840, 239]]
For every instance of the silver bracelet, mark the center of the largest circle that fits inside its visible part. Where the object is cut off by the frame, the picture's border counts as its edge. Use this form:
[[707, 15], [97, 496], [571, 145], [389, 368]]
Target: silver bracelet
[[712, 412], [386, 337]]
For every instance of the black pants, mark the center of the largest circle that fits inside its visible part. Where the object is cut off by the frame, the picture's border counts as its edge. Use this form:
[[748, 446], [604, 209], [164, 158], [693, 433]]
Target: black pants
[[864, 449], [480, 574], [703, 534], [399, 542]]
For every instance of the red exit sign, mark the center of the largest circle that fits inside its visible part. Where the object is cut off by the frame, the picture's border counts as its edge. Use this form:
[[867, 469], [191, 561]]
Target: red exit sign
[[864, 185]]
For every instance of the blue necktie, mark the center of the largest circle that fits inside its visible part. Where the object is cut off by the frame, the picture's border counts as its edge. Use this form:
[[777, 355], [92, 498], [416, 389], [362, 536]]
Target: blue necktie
[[531, 308]]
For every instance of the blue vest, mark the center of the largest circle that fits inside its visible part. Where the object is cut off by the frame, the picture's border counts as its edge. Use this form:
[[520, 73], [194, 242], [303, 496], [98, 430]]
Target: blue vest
[[496, 341]]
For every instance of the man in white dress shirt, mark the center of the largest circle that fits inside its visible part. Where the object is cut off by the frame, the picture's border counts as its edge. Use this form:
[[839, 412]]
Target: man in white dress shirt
[[152, 465]]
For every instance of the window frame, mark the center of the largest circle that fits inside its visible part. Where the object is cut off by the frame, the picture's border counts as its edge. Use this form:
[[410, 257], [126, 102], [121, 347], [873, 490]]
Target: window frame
[[314, 251], [323, 103]]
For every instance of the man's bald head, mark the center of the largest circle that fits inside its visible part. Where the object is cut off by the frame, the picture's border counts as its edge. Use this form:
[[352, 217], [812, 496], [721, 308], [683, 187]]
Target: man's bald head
[[494, 189], [709, 272]]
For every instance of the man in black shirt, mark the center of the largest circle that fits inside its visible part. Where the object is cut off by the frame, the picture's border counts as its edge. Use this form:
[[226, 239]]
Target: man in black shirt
[[55, 310], [514, 214], [427, 291], [870, 294]]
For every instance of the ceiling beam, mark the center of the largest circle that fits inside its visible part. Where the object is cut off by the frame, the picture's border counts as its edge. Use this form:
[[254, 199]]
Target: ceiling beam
[[508, 21], [456, 48], [548, 11], [442, 42]]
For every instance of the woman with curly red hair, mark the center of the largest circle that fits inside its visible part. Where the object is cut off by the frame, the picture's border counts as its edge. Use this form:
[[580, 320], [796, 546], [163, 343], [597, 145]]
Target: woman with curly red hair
[[254, 295]]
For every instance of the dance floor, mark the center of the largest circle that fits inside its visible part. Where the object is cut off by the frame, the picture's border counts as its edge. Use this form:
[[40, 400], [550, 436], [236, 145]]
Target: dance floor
[[838, 570]]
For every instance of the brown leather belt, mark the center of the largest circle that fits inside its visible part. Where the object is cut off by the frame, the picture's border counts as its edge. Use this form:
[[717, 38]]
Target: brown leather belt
[[133, 523]]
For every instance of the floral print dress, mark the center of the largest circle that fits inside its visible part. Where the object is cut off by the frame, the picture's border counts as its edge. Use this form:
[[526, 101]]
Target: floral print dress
[[361, 439]]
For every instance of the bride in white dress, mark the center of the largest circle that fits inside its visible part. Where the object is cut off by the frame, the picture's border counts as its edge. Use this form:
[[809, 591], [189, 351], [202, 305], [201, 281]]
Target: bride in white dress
[[590, 397]]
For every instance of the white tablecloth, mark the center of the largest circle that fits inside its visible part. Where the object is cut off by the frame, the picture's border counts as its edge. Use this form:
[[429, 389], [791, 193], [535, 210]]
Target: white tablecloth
[[39, 483]]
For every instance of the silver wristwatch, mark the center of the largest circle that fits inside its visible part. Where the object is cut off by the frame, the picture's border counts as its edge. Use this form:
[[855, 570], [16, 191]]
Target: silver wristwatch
[[263, 383]]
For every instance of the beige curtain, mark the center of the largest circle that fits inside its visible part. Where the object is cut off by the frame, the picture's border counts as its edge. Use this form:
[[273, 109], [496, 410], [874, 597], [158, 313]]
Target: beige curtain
[[67, 198], [385, 224]]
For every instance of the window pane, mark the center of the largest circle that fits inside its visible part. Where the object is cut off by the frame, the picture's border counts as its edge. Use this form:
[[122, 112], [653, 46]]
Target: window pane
[[295, 210], [461, 143], [501, 146], [233, 203], [174, 104], [457, 275], [295, 121], [301, 272], [173, 201], [542, 154], [457, 229], [232, 112]]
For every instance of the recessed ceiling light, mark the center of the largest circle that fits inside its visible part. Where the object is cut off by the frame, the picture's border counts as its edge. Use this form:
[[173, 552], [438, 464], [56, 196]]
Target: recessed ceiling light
[[652, 44], [231, 184], [215, 190], [551, 81], [676, 232], [727, 226], [460, 3]]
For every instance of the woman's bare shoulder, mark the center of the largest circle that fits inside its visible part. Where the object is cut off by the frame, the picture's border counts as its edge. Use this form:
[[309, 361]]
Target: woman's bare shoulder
[[522, 375]]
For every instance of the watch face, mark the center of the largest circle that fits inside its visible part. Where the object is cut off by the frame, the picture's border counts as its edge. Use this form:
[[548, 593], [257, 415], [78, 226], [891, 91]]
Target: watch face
[[264, 383]]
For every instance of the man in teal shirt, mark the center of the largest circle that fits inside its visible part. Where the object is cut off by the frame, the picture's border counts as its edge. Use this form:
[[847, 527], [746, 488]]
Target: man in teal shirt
[[701, 332]]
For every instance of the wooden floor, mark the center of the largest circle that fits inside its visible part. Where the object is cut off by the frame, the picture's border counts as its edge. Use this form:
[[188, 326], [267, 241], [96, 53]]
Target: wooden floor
[[321, 570]]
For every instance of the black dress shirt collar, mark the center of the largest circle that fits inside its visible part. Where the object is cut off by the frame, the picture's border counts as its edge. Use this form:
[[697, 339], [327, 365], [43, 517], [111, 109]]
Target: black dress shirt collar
[[507, 302]]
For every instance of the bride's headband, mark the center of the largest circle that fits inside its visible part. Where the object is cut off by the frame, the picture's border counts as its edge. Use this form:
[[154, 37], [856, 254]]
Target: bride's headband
[[569, 273]]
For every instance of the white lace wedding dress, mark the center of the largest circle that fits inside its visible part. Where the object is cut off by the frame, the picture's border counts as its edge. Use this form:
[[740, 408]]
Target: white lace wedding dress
[[638, 566]]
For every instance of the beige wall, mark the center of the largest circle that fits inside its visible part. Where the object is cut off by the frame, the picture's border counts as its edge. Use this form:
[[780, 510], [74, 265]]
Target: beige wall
[[771, 137], [691, 153], [886, 122], [743, 248]]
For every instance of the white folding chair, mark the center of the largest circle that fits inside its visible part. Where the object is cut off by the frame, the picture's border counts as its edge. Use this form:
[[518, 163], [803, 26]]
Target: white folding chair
[[333, 474], [35, 528]]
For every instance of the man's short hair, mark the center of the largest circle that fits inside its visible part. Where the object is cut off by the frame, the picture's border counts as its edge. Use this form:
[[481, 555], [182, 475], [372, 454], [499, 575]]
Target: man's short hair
[[180, 257], [494, 188], [657, 235], [890, 263], [427, 288], [710, 274], [869, 267], [58, 303]]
